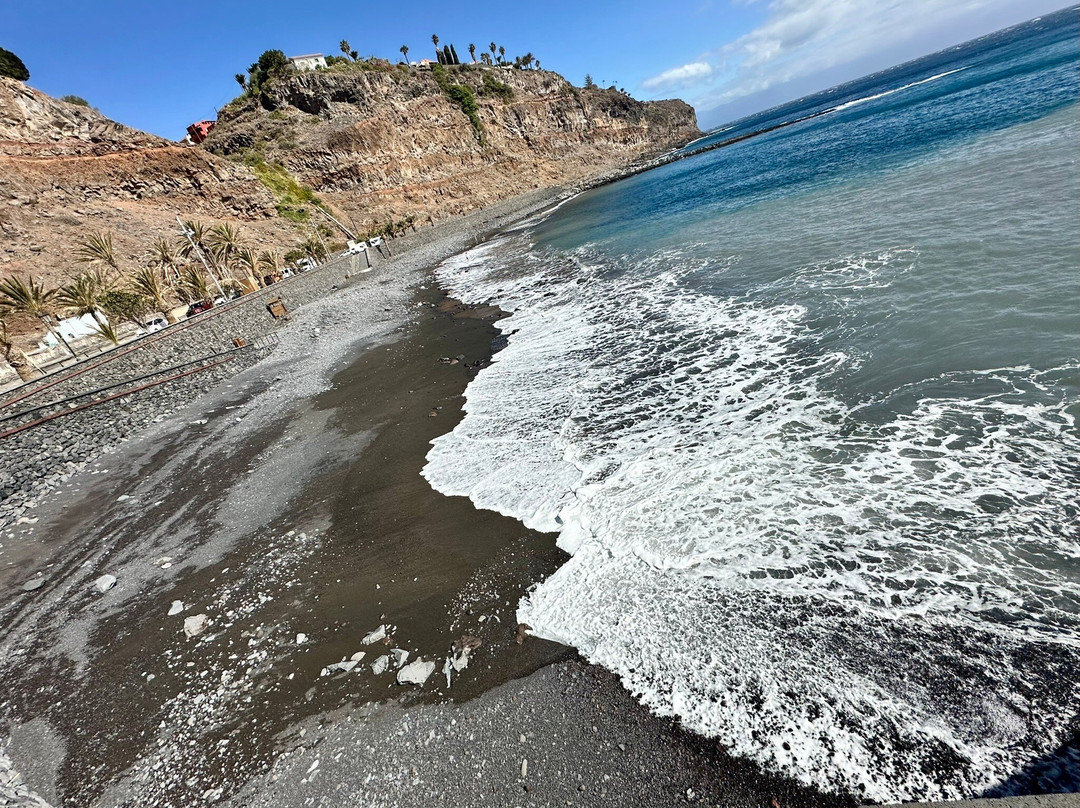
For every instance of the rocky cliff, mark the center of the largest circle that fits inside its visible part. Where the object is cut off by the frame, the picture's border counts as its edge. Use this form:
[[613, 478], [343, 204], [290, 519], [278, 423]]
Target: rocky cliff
[[381, 144], [375, 143], [67, 171]]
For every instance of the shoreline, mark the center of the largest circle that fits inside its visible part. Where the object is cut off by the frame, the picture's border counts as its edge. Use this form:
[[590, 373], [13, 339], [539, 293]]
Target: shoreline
[[335, 422]]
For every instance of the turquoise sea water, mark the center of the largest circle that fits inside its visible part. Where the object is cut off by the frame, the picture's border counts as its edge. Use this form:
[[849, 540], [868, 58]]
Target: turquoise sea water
[[804, 412]]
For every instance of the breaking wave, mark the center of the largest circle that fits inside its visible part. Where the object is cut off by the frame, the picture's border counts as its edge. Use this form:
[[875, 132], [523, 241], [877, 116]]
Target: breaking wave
[[873, 595]]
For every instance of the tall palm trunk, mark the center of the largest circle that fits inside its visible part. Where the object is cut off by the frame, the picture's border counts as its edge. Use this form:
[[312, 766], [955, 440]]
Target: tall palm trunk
[[17, 359]]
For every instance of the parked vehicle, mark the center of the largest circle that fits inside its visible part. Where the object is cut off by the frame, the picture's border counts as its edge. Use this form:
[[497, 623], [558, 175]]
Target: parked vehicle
[[155, 324], [198, 307]]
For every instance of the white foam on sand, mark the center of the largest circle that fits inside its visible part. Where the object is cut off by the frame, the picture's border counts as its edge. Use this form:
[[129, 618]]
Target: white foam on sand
[[891, 608]]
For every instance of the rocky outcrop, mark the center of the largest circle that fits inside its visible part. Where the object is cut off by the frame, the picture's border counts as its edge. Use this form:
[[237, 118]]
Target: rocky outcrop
[[67, 171], [377, 144], [384, 144]]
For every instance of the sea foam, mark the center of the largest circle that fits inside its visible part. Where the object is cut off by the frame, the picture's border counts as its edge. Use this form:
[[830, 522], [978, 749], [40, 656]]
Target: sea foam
[[882, 605]]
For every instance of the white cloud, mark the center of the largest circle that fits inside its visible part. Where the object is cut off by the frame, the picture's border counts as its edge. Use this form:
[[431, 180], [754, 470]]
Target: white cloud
[[684, 76], [803, 38]]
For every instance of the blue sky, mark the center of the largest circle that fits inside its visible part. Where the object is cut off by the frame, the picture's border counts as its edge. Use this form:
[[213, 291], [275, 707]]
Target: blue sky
[[158, 67]]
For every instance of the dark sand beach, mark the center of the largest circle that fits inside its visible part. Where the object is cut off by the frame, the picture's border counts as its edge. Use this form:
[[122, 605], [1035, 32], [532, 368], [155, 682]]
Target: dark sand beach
[[287, 507], [286, 502]]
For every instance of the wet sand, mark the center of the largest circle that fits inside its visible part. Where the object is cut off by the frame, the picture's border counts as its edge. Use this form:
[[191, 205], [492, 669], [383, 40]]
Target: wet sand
[[279, 505]]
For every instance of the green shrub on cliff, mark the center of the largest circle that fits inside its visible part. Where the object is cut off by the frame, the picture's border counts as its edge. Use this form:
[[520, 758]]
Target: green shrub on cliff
[[463, 96], [75, 99], [494, 87], [293, 198], [12, 66]]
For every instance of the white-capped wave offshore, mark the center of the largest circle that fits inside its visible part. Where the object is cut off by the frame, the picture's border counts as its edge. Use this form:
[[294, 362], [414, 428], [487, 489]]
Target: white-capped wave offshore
[[809, 434]]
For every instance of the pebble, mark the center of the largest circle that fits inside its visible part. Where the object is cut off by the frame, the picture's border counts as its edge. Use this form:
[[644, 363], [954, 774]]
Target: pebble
[[195, 625]]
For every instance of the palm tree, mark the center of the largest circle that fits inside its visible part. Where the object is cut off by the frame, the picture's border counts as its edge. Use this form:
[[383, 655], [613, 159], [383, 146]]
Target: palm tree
[[148, 283], [472, 51], [405, 52], [15, 357], [162, 254], [267, 263], [502, 54], [193, 284], [32, 298], [98, 251], [196, 236], [492, 48], [241, 80], [224, 242], [314, 249], [81, 296], [249, 262], [435, 41], [346, 48]]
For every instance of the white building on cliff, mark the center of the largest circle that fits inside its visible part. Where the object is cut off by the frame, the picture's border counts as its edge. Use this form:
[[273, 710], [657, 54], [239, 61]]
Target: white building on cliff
[[309, 61]]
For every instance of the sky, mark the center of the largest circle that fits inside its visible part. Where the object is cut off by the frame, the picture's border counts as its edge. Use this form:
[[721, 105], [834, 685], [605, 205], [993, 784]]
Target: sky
[[159, 67]]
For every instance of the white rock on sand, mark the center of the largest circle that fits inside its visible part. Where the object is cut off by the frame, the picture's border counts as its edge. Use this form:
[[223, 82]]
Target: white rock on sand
[[195, 625], [176, 607], [374, 636], [339, 667], [380, 664], [399, 656], [105, 583], [416, 673]]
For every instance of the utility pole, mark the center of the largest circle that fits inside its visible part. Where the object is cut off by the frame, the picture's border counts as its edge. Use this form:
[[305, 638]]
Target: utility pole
[[344, 229], [188, 234]]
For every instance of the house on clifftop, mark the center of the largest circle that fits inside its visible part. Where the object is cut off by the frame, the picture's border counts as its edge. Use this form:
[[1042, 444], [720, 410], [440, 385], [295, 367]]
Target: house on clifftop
[[309, 61]]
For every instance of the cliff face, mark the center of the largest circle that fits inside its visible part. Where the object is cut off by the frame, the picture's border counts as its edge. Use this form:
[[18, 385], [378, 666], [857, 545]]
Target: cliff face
[[375, 144], [380, 145], [66, 171]]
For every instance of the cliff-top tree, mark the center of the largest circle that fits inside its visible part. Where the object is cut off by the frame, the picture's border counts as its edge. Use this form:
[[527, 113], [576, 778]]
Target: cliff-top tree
[[589, 83], [272, 63], [493, 48], [346, 48], [453, 53], [502, 54], [405, 53], [472, 51], [12, 66], [435, 42]]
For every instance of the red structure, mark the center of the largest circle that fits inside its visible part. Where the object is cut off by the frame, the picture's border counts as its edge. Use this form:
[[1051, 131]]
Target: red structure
[[200, 130]]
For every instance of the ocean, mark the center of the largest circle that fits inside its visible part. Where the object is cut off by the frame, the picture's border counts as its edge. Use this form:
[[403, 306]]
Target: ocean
[[803, 411]]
